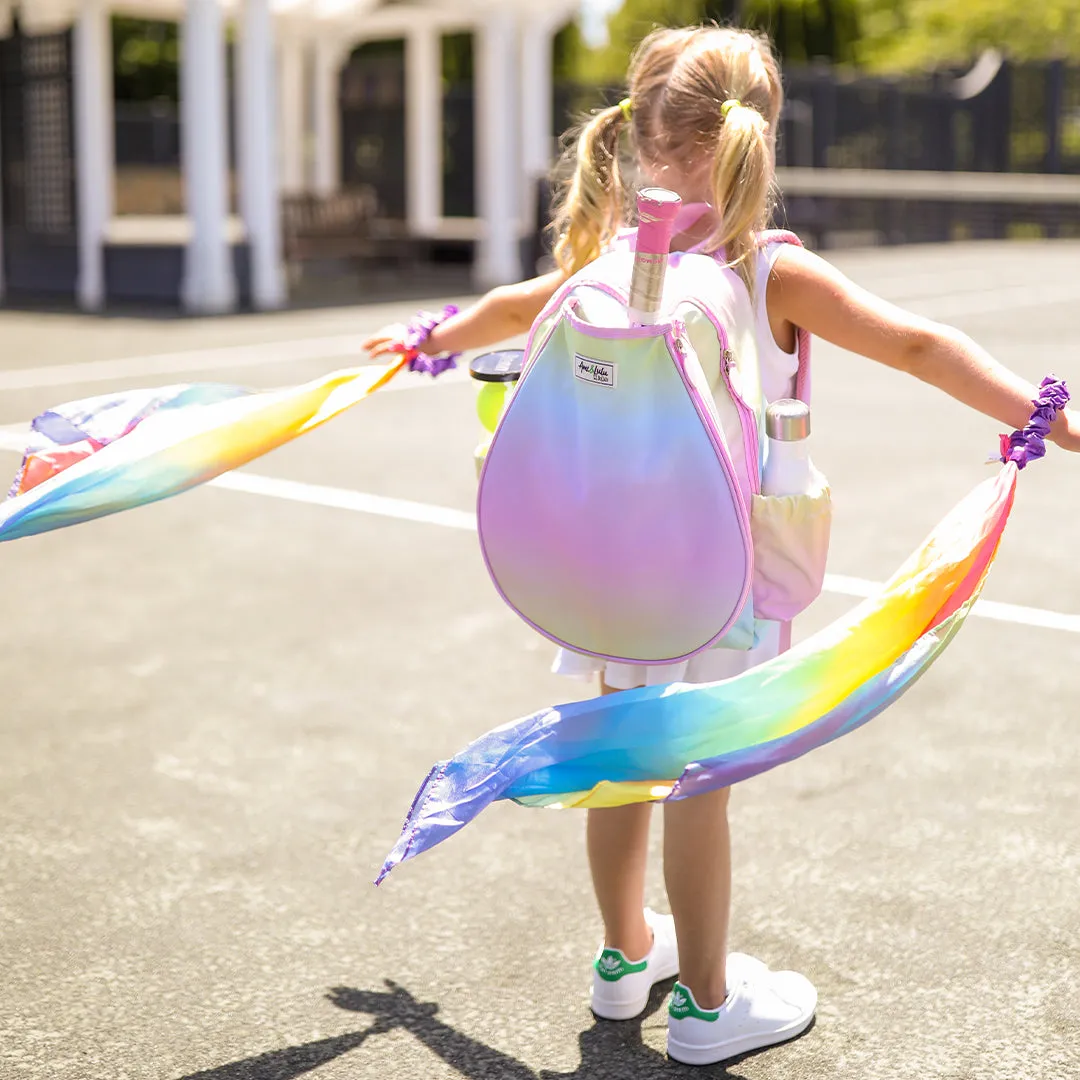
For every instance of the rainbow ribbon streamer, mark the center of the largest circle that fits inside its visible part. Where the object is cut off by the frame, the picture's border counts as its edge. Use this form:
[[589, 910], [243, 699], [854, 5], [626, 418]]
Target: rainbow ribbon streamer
[[110, 453], [661, 743]]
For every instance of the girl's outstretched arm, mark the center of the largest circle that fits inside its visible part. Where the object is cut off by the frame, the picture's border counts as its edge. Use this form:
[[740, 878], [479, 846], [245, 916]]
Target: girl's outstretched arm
[[807, 291], [500, 314]]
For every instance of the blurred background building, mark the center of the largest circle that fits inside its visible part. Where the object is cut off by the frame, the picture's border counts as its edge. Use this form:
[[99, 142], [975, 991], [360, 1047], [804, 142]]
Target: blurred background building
[[214, 155]]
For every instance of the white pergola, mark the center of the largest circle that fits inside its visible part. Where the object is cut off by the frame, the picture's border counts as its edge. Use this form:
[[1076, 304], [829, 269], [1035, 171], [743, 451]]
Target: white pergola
[[279, 41]]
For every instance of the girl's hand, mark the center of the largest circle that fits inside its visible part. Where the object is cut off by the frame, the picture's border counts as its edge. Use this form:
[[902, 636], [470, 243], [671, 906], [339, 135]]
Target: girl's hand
[[386, 342]]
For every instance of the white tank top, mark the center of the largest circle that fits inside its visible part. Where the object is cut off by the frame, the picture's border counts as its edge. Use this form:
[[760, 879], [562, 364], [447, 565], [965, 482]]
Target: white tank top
[[747, 322], [778, 368]]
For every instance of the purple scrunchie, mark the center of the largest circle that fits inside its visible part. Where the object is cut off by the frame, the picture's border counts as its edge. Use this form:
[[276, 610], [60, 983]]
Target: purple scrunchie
[[1030, 444], [418, 331]]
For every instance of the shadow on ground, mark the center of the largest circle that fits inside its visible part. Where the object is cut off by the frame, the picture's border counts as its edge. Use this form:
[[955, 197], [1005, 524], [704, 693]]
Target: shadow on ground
[[608, 1051]]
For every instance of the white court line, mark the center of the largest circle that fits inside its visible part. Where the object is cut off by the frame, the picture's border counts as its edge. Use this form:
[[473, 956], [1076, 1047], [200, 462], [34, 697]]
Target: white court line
[[426, 513], [268, 352], [942, 306], [361, 502], [339, 346], [988, 609], [344, 499]]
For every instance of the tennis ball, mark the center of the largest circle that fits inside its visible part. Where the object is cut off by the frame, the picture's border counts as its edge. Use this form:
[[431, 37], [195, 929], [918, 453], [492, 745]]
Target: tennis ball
[[489, 404]]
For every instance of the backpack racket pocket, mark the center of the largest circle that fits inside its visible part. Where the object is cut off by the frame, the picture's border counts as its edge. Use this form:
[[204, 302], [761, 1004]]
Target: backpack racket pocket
[[609, 514]]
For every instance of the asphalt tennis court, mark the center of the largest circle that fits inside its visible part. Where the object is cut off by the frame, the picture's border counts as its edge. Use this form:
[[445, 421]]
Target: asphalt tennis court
[[215, 712]]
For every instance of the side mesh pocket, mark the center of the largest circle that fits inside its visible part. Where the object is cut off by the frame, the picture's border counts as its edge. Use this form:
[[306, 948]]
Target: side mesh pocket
[[791, 545]]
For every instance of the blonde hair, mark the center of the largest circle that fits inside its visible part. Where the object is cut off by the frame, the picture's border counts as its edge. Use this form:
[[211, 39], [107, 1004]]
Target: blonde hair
[[679, 82]]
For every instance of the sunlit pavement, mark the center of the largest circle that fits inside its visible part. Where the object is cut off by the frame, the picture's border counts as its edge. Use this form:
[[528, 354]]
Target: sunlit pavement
[[215, 711]]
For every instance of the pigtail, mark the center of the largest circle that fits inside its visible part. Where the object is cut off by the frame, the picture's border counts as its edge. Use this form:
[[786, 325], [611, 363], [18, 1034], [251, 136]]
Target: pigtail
[[591, 207], [742, 184]]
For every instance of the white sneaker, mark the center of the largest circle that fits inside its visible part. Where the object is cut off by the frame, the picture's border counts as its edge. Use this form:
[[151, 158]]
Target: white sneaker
[[621, 987], [762, 1008]]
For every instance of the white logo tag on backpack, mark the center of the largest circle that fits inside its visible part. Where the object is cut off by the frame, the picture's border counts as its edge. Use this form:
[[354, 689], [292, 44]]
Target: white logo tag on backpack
[[597, 372]]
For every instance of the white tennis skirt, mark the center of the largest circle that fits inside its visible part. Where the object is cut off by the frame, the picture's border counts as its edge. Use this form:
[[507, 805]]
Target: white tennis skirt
[[712, 665]]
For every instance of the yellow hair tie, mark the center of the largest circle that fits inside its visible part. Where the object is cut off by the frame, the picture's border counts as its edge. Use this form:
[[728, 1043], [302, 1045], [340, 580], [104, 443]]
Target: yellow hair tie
[[728, 106], [627, 108]]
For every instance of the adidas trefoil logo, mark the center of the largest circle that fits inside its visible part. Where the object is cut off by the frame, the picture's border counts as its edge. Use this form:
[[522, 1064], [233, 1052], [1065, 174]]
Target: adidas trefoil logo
[[682, 1006], [612, 966]]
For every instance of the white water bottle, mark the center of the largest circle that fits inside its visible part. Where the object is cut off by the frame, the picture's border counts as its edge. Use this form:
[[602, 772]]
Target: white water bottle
[[787, 464]]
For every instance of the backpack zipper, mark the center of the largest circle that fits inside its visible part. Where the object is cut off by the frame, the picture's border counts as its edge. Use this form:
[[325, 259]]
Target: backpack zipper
[[749, 423], [748, 416], [678, 343]]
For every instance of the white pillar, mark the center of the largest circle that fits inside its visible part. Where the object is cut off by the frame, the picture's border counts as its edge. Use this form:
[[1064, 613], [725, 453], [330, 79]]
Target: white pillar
[[94, 153], [423, 124], [537, 91], [291, 112], [327, 165], [498, 164], [260, 203], [209, 283]]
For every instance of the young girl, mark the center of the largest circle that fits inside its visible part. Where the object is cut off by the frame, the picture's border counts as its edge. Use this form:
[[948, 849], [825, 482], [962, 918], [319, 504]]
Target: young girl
[[701, 118]]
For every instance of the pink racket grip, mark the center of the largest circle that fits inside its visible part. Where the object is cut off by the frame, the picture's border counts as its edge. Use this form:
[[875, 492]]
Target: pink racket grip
[[657, 210]]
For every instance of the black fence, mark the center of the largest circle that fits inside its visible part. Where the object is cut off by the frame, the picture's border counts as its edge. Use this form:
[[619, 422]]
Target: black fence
[[38, 205], [373, 133], [148, 134], [995, 117], [373, 129], [1010, 118]]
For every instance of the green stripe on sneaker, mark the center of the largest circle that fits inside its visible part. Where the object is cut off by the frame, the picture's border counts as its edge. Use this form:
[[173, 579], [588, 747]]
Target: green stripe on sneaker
[[683, 1007], [611, 965]]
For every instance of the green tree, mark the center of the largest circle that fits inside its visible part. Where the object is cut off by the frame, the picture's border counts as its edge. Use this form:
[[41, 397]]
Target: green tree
[[801, 30], [146, 59], [889, 35], [922, 33]]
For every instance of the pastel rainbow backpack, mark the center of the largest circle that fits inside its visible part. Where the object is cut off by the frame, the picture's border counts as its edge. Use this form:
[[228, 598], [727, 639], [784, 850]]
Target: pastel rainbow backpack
[[619, 507]]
